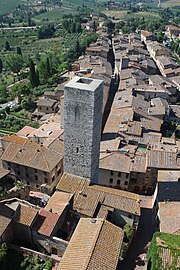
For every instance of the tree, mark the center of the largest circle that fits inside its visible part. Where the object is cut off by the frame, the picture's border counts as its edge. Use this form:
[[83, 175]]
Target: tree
[[3, 252], [77, 49], [1, 65], [19, 51], [48, 67], [19, 90], [42, 69], [15, 63], [34, 79], [46, 31], [7, 46]]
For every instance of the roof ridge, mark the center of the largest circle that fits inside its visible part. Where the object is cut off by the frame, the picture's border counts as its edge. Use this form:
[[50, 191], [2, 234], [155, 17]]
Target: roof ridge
[[113, 192], [10, 144], [95, 241], [43, 154]]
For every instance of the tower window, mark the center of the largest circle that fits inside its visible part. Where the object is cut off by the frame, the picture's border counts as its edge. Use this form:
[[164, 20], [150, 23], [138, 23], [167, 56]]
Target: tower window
[[111, 180], [77, 149], [112, 172]]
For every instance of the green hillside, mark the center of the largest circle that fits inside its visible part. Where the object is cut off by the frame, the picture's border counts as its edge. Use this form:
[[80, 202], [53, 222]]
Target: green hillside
[[6, 6]]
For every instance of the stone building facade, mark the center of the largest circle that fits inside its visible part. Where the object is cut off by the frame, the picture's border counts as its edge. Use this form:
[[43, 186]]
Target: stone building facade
[[83, 98]]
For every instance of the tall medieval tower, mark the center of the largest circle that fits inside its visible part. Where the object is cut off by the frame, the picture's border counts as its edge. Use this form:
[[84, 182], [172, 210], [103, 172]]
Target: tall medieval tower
[[83, 98]]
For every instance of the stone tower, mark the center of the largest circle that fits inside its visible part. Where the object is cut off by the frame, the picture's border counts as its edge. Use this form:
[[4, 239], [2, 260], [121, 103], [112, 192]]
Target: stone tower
[[83, 98]]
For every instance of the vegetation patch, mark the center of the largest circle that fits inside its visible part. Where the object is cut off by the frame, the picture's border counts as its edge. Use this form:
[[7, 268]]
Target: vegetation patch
[[164, 252], [13, 260]]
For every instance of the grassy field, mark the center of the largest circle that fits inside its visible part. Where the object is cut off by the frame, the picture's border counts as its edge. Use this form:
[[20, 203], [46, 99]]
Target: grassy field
[[124, 14], [56, 14], [170, 3]]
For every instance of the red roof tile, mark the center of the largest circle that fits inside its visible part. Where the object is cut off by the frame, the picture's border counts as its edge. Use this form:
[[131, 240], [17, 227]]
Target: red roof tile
[[46, 222]]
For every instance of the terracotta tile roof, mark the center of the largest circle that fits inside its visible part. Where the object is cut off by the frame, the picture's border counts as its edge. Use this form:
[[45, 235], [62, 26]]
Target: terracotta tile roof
[[87, 202], [139, 164], [168, 176], [72, 183], [57, 145], [119, 199], [88, 198], [25, 131], [25, 215], [58, 202], [169, 215], [94, 49], [32, 155], [173, 27], [116, 162], [45, 101], [4, 223], [162, 159], [95, 244], [15, 139], [146, 33], [45, 222], [134, 128], [103, 212], [107, 249]]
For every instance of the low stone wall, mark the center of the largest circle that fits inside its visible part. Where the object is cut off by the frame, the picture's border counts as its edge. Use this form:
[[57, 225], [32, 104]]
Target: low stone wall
[[22, 194], [33, 253]]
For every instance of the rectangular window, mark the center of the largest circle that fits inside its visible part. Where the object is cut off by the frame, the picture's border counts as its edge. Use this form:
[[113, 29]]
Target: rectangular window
[[126, 183], [35, 170], [36, 177], [111, 180], [112, 172], [59, 171], [118, 182], [77, 149], [133, 180], [119, 174], [127, 174]]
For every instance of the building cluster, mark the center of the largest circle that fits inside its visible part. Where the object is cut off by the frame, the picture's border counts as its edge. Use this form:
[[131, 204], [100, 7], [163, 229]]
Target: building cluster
[[105, 139], [136, 142], [77, 218]]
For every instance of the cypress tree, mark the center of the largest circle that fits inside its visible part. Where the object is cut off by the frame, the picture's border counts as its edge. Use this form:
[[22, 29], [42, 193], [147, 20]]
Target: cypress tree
[[19, 51], [7, 46], [33, 77], [1, 65]]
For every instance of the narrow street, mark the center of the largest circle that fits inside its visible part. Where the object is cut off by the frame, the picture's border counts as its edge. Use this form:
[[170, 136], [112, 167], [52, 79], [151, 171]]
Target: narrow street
[[136, 255]]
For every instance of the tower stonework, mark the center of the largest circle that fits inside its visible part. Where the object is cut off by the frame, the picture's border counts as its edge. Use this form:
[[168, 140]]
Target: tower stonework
[[83, 99]]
